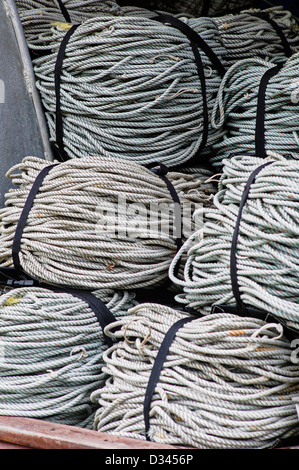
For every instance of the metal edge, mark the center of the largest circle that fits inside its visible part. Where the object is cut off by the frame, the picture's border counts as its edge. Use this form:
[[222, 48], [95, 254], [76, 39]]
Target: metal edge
[[12, 12]]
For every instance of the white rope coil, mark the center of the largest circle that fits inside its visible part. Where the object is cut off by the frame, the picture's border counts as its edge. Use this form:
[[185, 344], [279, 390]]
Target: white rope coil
[[227, 382], [267, 245], [236, 108], [247, 36], [51, 348], [97, 223], [130, 89]]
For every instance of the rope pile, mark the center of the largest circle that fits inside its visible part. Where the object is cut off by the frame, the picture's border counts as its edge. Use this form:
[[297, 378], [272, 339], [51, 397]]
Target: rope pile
[[236, 107], [51, 354], [129, 88], [227, 381], [39, 18], [248, 35], [68, 238], [267, 246]]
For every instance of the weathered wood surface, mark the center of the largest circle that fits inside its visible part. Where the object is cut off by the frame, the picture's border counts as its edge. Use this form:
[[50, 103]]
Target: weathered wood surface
[[39, 434]]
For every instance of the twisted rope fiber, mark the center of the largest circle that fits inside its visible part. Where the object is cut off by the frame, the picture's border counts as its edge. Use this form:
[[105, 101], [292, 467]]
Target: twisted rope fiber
[[37, 16], [52, 346], [245, 35], [267, 246], [236, 107], [130, 89], [65, 240], [227, 381]]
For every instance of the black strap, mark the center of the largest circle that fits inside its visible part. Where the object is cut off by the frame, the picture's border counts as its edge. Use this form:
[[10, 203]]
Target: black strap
[[24, 216], [194, 37], [233, 254], [265, 16], [64, 11], [162, 171], [260, 141], [157, 368], [103, 315], [9, 278], [205, 8], [57, 78], [197, 43]]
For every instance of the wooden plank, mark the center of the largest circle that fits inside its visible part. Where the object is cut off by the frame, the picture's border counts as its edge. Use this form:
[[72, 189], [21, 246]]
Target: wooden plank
[[7, 446], [40, 434]]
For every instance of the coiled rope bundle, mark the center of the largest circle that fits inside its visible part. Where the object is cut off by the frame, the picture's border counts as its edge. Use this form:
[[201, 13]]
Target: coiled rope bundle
[[130, 88], [82, 229], [236, 108], [51, 353], [249, 247], [270, 34], [226, 381], [37, 16]]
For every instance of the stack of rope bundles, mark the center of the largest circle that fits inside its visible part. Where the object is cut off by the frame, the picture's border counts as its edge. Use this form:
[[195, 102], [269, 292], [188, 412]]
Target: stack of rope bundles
[[227, 381], [250, 34], [68, 240], [130, 89], [236, 108], [267, 247], [51, 348]]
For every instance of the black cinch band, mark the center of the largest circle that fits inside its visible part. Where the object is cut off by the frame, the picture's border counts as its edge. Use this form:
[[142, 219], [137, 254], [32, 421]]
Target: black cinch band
[[162, 171], [285, 44], [17, 277], [260, 152], [260, 132], [157, 368], [64, 11], [196, 42], [24, 216], [57, 77]]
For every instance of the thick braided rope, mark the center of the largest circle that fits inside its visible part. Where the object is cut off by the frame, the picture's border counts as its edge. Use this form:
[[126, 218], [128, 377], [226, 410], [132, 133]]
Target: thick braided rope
[[227, 381], [267, 246], [130, 89], [69, 240], [51, 353], [245, 35], [236, 108]]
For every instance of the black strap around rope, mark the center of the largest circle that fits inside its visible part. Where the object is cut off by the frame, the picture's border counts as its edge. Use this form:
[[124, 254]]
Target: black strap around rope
[[17, 277], [233, 254], [193, 37], [197, 42], [285, 44], [260, 151], [57, 77], [260, 140], [9, 278], [157, 368], [64, 11], [162, 171], [24, 216]]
